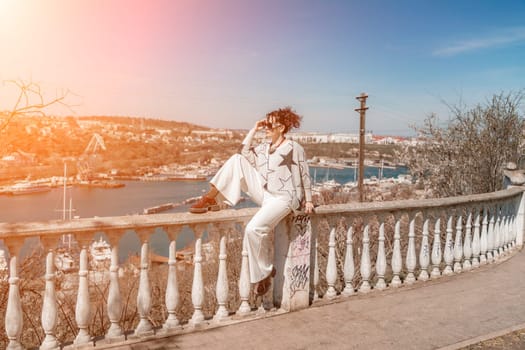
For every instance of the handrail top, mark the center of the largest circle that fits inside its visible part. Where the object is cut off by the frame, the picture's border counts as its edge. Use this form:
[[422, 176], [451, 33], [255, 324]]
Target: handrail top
[[418, 204], [129, 222]]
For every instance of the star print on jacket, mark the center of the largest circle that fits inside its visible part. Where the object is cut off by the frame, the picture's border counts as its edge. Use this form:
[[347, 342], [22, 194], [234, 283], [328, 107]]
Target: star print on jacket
[[288, 160]]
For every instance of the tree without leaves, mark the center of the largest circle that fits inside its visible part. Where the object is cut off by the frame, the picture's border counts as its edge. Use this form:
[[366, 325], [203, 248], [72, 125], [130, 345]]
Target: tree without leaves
[[468, 155], [31, 101]]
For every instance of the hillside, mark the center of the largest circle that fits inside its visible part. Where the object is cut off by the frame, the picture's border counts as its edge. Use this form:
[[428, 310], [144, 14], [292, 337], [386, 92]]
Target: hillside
[[38, 147]]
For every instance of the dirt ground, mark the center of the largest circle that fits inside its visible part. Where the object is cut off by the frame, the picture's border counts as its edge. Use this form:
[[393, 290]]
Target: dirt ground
[[510, 341]]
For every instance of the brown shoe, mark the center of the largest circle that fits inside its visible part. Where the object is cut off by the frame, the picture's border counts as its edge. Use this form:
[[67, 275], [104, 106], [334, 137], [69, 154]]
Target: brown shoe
[[262, 287], [204, 204]]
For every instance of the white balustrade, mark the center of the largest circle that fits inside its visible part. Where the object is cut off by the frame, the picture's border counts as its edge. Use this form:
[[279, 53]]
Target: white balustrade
[[458, 246], [497, 233], [484, 240], [502, 231], [396, 255], [490, 238], [448, 254], [172, 289], [493, 226], [49, 306], [331, 267], [83, 309], [436, 249], [144, 327], [467, 243], [14, 320], [197, 288], [316, 264], [244, 284], [476, 249], [365, 268], [381, 258], [349, 268], [424, 253], [411, 250], [222, 290], [114, 302]]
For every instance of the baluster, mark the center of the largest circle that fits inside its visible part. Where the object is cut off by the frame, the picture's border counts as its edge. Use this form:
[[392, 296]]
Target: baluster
[[222, 283], [349, 268], [14, 321], [512, 229], [331, 266], [503, 230], [484, 238], [424, 257], [114, 302], [518, 224], [49, 307], [144, 327], [397, 264], [508, 225], [365, 268], [467, 244], [197, 288], [512, 226], [508, 219], [244, 283], [381, 257], [476, 241], [502, 233], [172, 290], [436, 249], [458, 245], [448, 254], [410, 259], [490, 238], [83, 309], [497, 233], [315, 226]]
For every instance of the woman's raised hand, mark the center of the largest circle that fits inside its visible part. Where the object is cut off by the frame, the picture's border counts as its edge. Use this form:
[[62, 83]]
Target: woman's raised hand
[[260, 124]]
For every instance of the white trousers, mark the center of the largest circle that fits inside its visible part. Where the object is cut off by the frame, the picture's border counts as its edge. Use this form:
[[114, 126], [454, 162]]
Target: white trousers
[[237, 175]]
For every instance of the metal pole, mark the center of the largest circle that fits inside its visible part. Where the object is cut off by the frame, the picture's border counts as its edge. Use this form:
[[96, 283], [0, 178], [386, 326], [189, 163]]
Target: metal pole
[[362, 98]]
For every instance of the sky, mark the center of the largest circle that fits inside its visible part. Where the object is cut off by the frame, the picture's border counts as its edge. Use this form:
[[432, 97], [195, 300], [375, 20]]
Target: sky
[[226, 63]]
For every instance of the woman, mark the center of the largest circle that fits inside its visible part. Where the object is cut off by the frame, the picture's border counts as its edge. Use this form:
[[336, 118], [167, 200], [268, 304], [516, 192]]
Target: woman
[[275, 175]]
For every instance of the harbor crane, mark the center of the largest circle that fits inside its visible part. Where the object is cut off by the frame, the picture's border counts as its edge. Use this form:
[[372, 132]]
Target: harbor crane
[[86, 162]]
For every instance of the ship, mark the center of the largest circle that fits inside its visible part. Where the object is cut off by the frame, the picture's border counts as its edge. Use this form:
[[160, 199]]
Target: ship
[[26, 187], [159, 208]]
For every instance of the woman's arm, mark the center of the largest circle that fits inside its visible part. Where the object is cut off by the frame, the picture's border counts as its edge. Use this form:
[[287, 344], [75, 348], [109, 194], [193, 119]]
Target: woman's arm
[[246, 150], [306, 180]]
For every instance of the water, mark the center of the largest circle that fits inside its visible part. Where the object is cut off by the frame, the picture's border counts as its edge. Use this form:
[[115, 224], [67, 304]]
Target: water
[[343, 176], [132, 199]]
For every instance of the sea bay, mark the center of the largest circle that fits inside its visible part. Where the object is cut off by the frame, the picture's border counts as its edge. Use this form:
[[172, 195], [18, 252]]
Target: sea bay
[[132, 199]]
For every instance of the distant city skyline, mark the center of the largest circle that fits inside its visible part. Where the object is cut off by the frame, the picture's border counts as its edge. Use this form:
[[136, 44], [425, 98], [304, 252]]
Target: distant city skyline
[[225, 63]]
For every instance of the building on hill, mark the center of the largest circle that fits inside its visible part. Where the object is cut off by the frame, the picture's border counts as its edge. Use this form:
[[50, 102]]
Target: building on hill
[[316, 137]]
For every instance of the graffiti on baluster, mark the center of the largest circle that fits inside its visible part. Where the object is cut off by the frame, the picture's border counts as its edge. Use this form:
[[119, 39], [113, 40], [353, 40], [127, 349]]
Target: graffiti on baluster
[[298, 276], [425, 250], [300, 223], [300, 245]]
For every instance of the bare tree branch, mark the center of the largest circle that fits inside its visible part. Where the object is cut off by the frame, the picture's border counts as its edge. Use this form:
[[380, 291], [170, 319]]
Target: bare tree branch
[[468, 154], [31, 101]]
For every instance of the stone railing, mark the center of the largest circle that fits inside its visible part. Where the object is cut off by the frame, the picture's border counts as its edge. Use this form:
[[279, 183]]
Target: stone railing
[[344, 250]]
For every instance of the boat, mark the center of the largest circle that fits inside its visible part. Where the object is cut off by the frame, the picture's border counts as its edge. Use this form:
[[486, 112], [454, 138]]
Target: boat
[[187, 177], [64, 262], [101, 254], [26, 187], [158, 208], [101, 184], [174, 177]]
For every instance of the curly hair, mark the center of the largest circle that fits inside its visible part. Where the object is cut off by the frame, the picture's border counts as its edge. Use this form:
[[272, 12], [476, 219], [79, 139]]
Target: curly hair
[[287, 117]]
